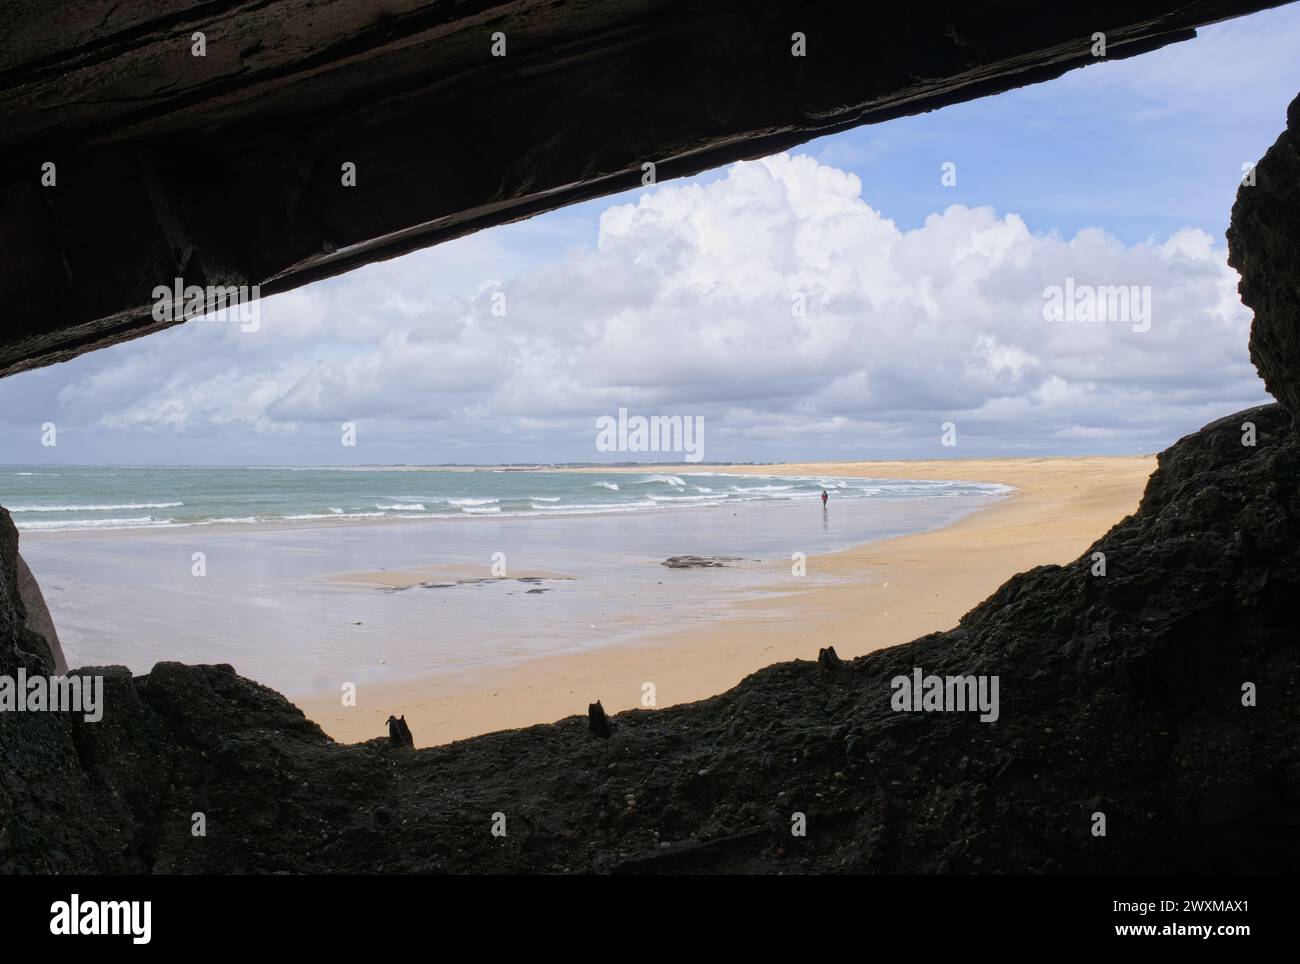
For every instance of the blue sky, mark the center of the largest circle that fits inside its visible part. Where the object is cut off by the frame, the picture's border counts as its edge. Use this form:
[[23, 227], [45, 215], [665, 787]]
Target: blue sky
[[925, 301]]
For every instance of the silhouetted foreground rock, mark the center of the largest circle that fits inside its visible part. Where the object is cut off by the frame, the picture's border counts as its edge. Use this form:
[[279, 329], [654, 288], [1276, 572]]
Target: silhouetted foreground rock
[[598, 722], [399, 734], [1151, 685], [828, 659], [1119, 694], [1264, 247]]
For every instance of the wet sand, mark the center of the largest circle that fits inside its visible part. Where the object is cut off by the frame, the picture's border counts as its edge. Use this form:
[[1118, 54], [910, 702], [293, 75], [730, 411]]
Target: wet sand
[[879, 594]]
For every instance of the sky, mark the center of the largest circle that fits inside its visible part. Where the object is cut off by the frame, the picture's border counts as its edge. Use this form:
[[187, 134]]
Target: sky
[[844, 300]]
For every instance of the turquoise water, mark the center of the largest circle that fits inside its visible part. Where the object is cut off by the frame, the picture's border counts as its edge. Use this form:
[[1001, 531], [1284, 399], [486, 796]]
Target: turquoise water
[[114, 550], [51, 499]]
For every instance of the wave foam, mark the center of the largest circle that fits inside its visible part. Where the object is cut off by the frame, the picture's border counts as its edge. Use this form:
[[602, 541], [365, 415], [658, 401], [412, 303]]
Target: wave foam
[[124, 507], [127, 523]]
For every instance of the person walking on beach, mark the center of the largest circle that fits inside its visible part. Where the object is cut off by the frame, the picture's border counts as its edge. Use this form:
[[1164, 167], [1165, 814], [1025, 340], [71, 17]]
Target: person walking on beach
[[824, 498]]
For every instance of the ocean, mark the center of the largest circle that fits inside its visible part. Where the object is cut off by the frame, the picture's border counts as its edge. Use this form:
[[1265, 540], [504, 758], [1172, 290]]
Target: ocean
[[115, 552], [86, 498]]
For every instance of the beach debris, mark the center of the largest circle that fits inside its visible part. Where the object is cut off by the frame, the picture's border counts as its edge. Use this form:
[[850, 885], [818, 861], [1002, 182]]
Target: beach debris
[[598, 722], [477, 581], [399, 734], [699, 562], [828, 659]]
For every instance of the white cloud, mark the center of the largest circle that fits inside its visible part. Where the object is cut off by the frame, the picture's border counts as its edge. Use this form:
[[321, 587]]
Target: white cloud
[[685, 304]]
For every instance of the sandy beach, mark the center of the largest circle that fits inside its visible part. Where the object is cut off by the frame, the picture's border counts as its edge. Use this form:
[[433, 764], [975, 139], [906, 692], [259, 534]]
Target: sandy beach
[[884, 593]]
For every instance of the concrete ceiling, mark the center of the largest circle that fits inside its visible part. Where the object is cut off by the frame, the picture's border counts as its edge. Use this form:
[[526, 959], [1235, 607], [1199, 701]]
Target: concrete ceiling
[[226, 168]]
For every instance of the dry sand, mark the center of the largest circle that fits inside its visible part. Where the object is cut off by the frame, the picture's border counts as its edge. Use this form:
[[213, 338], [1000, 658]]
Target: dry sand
[[886, 593]]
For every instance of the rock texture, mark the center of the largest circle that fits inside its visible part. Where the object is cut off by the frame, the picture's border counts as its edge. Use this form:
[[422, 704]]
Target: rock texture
[[226, 169], [1264, 247], [1119, 694], [1123, 695], [49, 817], [39, 619]]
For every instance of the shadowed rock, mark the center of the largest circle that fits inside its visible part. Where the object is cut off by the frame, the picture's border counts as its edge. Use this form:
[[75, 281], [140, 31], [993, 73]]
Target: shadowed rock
[[1120, 694], [38, 614], [1264, 247], [227, 170], [399, 734], [598, 722], [1124, 694], [828, 659]]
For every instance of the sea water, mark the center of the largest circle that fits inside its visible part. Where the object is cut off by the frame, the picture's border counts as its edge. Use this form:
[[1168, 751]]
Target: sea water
[[242, 565]]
